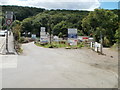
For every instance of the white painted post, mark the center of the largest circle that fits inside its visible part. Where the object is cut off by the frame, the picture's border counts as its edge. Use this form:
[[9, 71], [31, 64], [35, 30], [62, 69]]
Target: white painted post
[[91, 45], [96, 46]]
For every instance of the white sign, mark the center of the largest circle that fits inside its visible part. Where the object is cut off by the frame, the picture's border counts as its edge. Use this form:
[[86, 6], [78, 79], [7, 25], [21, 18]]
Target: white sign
[[97, 46], [42, 29], [33, 36], [72, 31], [72, 36], [42, 33], [43, 36], [9, 17]]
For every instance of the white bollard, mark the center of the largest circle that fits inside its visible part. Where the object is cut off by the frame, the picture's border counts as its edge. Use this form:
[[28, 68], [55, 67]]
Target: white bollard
[[96, 44], [91, 45]]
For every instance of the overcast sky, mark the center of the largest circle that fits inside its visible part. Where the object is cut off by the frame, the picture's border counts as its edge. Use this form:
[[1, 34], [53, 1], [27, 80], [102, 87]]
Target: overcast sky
[[58, 4]]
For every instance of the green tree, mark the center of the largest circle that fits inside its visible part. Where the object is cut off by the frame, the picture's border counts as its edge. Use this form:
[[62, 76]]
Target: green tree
[[101, 20], [60, 35], [60, 27], [16, 32], [117, 35], [27, 25]]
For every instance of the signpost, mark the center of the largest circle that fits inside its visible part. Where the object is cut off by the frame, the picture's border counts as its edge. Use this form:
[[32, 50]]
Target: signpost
[[9, 19], [43, 35], [72, 33], [72, 36]]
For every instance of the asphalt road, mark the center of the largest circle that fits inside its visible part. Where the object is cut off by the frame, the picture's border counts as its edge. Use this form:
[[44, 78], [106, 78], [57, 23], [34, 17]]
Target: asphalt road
[[7, 61], [41, 67]]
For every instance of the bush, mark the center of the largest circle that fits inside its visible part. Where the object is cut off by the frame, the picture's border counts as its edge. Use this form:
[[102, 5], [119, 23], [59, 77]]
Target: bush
[[106, 42], [55, 45], [21, 40], [18, 47], [80, 45], [62, 42], [16, 32]]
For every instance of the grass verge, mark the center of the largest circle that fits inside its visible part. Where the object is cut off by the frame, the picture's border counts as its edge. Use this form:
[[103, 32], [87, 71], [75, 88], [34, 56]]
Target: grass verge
[[58, 45]]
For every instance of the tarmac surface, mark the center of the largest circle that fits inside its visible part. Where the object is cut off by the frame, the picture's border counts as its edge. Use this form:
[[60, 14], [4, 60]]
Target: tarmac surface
[[41, 67]]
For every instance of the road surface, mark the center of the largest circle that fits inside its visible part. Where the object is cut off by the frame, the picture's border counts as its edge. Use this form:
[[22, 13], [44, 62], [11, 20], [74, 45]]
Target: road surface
[[7, 61], [41, 67]]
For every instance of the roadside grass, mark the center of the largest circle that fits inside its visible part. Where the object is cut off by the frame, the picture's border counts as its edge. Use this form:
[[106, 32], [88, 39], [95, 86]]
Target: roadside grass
[[52, 45], [20, 50], [59, 45], [115, 47]]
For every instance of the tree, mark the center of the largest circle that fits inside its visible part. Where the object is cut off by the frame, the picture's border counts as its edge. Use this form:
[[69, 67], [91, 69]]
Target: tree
[[60, 35], [117, 35], [60, 27], [101, 20], [27, 25], [16, 32], [16, 22], [21, 12]]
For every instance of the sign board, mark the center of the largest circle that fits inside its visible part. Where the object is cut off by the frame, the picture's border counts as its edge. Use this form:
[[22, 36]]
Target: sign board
[[44, 40], [83, 38], [43, 35], [72, 33], [42, 29], [91, 39], [72, 36], [42, 32], [8, 21], [9, 17], [97, 46], [33, 36]]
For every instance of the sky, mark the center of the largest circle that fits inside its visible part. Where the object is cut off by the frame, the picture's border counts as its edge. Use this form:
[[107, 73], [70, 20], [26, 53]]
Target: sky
[[89, 5], [109, 5]]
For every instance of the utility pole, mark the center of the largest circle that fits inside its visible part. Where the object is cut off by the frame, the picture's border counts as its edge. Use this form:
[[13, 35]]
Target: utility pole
[[7, 40], [49, 30], [101, 42], [50, 36]]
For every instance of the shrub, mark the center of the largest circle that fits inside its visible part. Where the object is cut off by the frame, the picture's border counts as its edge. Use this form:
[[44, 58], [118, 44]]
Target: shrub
[[80, 45], [106, 42], [21, 40]]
